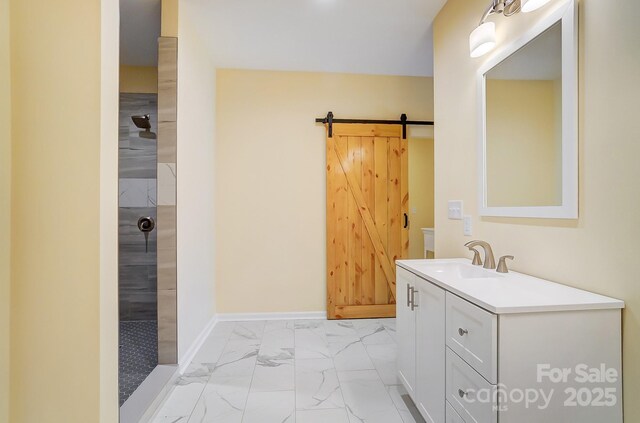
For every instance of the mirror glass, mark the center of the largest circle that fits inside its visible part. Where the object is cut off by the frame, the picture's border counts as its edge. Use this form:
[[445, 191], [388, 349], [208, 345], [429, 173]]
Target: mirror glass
[[523, 144]]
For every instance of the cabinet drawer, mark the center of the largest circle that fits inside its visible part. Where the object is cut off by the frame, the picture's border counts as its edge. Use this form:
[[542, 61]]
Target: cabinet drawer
[[473, 334], [452, 415], [470, 395]]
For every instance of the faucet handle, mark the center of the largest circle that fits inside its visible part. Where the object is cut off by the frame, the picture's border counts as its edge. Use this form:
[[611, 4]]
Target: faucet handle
[[502, 264], [477, 261]]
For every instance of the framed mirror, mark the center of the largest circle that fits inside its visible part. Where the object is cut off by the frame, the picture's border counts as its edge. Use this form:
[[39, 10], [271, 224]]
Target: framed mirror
[[528, 122]]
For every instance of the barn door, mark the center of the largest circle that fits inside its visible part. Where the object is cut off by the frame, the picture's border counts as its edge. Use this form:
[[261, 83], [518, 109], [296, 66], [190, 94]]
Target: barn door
[[367, 223]]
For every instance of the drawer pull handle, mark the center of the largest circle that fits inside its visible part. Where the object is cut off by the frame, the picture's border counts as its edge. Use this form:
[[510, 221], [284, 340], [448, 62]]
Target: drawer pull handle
[[462, 393], [462, 332], [413, 299]]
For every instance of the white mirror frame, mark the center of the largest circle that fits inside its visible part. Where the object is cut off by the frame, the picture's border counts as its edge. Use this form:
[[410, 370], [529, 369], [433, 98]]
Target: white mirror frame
[[565, 12]]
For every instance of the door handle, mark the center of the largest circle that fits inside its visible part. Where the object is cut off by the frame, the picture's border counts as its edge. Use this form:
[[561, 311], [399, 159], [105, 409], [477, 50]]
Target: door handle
[[408, 295], [406, 221], [413, 299]]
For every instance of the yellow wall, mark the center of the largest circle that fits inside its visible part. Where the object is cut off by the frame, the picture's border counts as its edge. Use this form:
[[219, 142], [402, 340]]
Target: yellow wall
[[598, 251], [169, 18], [421, 185], [523, 143], [63, 227], [138, 79], [5, 209], [270, 178]]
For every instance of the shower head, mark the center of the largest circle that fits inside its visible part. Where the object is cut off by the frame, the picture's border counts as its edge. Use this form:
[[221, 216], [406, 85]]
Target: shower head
[[142, 122]]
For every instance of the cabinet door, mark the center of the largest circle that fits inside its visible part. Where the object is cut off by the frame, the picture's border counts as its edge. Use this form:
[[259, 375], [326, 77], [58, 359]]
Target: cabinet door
[[406, 330], [430, 351]]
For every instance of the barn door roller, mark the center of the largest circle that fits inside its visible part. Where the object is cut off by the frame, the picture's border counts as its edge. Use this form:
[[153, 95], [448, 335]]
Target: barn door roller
[[330, 120]]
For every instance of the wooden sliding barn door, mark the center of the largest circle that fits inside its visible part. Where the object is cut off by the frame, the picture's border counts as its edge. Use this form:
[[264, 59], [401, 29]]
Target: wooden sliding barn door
[[367, 226]]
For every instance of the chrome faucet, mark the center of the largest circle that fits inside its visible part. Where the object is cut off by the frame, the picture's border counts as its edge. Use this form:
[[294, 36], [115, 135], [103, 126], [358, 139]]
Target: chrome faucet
[[489, 260]]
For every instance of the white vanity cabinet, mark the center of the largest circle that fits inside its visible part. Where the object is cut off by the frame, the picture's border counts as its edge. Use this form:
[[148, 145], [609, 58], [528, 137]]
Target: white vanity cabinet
[[406, 330], [479, 347], [421, 337]]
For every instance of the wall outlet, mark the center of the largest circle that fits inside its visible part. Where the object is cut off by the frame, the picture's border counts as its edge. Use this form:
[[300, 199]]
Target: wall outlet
[[467, 226], [455, 210]]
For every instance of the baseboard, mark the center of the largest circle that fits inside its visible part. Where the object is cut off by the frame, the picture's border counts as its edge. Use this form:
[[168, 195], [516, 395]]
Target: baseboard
[[144, 402], [239, 317], [184, 361]]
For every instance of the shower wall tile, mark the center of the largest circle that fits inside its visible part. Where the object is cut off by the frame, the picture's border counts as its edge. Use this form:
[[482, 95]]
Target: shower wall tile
[[138, 158], [167, 326], [137, 266], [167, 98], [138, 288], [128, 225], [138, 155], [166, 184], [166, 174], [167, 141], [138, 192], [167, 252]]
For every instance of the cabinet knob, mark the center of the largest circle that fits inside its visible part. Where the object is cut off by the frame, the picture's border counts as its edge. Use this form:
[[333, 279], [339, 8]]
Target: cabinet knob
[[462, 332], [462, 393]]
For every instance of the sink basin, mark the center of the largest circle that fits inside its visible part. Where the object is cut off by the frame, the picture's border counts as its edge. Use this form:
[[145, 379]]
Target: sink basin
[[465, 271]]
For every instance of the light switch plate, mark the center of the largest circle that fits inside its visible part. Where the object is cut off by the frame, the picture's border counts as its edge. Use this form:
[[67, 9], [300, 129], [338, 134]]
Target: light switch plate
[[455, 209], [468, 230]]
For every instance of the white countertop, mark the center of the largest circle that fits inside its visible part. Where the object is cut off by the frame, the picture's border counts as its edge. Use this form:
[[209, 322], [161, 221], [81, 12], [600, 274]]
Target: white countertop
[[508, 293]]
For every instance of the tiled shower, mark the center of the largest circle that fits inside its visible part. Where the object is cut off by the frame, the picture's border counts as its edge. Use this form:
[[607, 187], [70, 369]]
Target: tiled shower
[[137, 253]]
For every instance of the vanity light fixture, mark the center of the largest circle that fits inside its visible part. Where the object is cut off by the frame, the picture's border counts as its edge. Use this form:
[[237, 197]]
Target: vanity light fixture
[[483, 39]]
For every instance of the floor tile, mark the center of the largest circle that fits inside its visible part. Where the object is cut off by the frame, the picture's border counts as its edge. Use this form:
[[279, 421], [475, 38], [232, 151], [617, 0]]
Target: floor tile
[[350, 355], [274, 370], [222, 330], [317, 385], [270, 407], [311, 343], [279, 334], [390, 327], [335, 415], [309, 324], [185, 393], [238, 359], [373, 332], [366, 398], [223, 400], [252, 330], [309, 371], [171, 419], [383, 357], [138, 354], [408, 411], [211, 350]]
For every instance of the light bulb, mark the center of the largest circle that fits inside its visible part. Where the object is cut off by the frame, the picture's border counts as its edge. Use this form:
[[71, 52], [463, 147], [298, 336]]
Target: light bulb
[[483, 39], [531, 5]]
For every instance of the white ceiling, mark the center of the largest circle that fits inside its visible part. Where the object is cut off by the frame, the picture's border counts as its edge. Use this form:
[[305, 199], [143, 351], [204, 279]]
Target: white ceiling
[[139, 32], [388, 37]]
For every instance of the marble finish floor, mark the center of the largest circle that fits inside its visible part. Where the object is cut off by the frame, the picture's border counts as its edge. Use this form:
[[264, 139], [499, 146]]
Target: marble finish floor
[[304, 371]]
